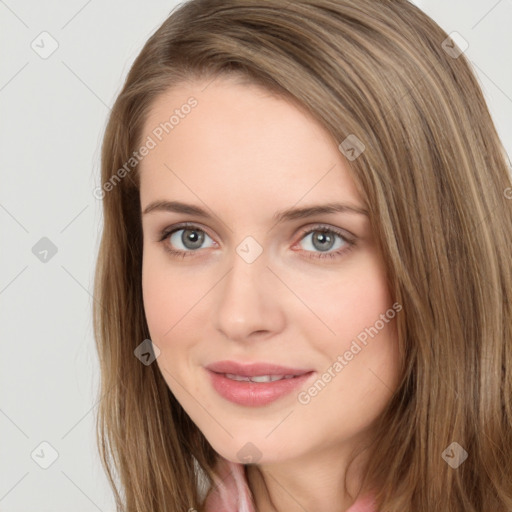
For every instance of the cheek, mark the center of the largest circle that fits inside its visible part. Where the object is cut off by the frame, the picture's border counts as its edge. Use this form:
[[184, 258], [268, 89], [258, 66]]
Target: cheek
[[168, 296], [167, 306], [355, 320], [361, 357], [157, 296], [163, 306], [348, 303], [175, 308]]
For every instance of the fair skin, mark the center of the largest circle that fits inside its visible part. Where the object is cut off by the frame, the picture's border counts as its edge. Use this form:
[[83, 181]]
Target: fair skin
[[243, 154]]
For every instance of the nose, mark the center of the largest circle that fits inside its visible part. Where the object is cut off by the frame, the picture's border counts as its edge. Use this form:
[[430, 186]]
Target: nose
[[247, 301]]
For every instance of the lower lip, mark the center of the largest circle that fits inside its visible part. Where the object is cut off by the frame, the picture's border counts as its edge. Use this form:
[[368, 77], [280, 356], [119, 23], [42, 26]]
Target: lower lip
[[255, 394]]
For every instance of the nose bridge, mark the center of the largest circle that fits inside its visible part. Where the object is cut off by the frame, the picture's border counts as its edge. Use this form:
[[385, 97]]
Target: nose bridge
[[246, 300]]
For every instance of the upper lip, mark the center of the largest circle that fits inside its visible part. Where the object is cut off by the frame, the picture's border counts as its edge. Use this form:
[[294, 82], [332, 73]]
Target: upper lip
[[253, 369]]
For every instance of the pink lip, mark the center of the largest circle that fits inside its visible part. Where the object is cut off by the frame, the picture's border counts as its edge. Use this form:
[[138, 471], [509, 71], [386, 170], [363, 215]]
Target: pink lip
[[252, 369], [254, 394]]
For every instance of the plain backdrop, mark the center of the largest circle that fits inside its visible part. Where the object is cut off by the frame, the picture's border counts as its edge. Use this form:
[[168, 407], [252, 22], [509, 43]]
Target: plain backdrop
[[53, 112]]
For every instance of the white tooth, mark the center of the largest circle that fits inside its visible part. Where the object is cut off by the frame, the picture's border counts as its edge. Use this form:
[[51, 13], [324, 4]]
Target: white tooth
[[266, 378], [261, 378], [258, 378], [236, 377]]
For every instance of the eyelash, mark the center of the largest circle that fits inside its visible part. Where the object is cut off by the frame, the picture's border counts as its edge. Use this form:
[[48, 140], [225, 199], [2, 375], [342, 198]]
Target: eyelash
[[350, 243]]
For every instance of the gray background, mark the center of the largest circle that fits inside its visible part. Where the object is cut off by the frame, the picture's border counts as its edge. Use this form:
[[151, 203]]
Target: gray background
[[53, 114]]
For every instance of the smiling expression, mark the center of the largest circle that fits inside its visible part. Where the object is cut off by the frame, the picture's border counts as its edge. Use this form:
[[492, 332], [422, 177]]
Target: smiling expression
[[258, 249]]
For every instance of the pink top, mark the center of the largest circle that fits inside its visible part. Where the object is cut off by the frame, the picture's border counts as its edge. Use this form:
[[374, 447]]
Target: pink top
[[233, 493]]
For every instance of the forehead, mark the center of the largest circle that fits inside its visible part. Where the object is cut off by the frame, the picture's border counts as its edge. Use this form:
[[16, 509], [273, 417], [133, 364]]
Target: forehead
[[239, 140]]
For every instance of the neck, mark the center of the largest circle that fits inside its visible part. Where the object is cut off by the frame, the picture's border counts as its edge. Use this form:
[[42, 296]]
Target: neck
[[316, 482]]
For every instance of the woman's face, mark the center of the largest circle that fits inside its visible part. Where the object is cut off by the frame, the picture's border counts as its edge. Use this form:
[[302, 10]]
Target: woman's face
[[253, 280]]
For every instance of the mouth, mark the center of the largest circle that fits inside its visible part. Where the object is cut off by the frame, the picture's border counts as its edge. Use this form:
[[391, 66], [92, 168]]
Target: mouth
[[255, 370], [255, 384], [257, 378]]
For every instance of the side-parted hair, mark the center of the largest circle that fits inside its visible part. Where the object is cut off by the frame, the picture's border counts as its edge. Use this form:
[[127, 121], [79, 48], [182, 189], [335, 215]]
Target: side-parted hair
[[436, 182]]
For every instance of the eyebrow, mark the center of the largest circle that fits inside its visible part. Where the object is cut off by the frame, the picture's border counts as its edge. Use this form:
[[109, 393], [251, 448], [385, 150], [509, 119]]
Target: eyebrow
[[285, 215]]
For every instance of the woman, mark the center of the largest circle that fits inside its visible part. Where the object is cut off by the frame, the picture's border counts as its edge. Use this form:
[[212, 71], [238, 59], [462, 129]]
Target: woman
[[304, 283]]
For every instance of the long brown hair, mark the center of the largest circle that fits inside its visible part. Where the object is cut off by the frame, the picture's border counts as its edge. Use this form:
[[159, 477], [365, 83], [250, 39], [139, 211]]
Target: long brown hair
[[435, 179]]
